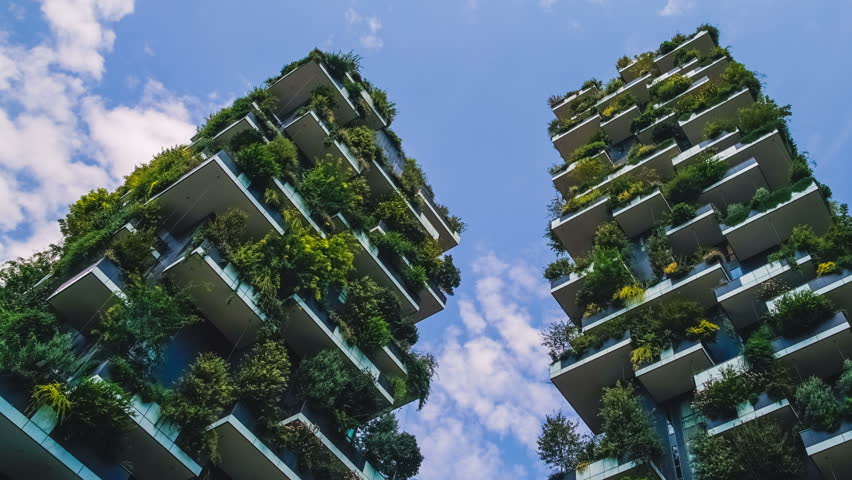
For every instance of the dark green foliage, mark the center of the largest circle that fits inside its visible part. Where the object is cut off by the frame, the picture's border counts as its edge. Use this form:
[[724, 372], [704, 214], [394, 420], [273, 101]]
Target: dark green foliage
[[167, 166], [799, 312], [263, 375], [720, 397], [688, 183], [626, 426], [648, 116], [200, 398], [99, 416], [139, 327], [313, 456], [239, 109], [659, 251], [607, 277], [669, 45], [682, 213], [133, 251], [817, 406], [33, 349], [557, 337], [844, 382], [610, 236], [361, 141], [394, 453], [329, 189], [560, 445], [421, 369], [385, 107], [670, 88], [228, 230], [394, 211], [710, 29], [561, 267], [372, 315], [587, 150], [759, 352], [757, 449], [761, 118], [737, 213], [413, 179], [716, 128], [20, 276], [612, 85]]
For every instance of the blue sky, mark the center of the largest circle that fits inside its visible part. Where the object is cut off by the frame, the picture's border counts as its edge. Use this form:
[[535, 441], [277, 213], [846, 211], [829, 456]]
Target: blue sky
[[89, 88]]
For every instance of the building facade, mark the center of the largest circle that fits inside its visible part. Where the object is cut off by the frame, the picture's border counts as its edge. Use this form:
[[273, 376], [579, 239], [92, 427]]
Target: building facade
[[244, 307], [705, 275]]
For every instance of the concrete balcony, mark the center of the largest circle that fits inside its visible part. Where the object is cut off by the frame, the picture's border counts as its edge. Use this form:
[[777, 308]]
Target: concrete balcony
[[447, 237], [563, 111], [371, 116], [831, 451], [646, 135], [699, 84], [151, 448], [582, 378], [214, 286], [28, 450], [719, 144], [713, 70], [672, 374], [312, 135], [244, 456], [727, 109], [214, 187], [292, 199], [769, 151], [614, 468], [764, 409], [638, 88], [369, 262], [249, 122], [837, 287], [702, 41], [761, 230], [310, 330], [576, 230], [565, 289], [737, 186], [697, 285], [659, 162], [702, 230], [577, 136], [819, 352], [632, 71], [84, 297], [294, 89], [641, 213], [741, 297], [340, 447], [617, 128], [566, 178]]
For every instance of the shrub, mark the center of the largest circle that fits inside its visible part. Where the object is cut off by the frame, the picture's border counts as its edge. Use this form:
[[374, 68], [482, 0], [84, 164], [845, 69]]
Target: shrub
[[559, 268], [421, 370], [239, 109], [578, 202], [394, 453], [372, 314], [560, 445], [362, 141], [622, 62], [737, 77], [737, 213], [670, 88], [394, 211], [682, 213], [263, 375], [612, 85], [660, 252], [99, 416], [557, 337], [638, 151], [816, 405], [669, 45], [629, 293], [200, 397], [55, 396], [844, 382], [758, 352], [587, 150], [687, 184], [627, 428], [33, 349], [717, 127], [167, 166], [799, 312], [720, 397], [610, 236], [608, 276], [757, 449], [591, 170], [328, 189], [413, 179], [312, 455], [385, 107]]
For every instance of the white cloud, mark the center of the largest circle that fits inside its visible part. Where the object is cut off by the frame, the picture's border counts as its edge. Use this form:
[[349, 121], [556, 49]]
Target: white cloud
[[18, 12], [676, 7], [547, 4], [60, 139], [149, 50], [369, 39]]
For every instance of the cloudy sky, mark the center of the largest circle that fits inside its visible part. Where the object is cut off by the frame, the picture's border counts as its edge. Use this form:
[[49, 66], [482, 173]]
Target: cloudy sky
[[90, 88]]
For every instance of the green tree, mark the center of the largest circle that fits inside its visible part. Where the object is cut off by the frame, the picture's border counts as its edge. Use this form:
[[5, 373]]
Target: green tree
[[99, 416], [263, 376], [394, 453], [559, 444], [627, 428], [757, 449], [32, 347]]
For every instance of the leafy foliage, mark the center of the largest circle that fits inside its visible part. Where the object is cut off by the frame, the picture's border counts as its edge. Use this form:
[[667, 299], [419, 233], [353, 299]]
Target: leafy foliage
[[687, 184], [670, 88], [799, 312], [33, 349], [626, 426], [329, 189], [421, 370], [263, 376], [239, 108], [682, 213], [757, 449], [720, 397], [560, 445], [394, 453], [99, 416], [817, 406], [372, 315], [167, 166]]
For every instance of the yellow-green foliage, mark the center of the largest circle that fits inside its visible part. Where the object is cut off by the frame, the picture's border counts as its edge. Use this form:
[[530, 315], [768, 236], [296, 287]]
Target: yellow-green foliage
[[705, 330], [167, 166], [825, 268], [54, 396], [629, 293], [643, 355], [576, 203], [591, 169]]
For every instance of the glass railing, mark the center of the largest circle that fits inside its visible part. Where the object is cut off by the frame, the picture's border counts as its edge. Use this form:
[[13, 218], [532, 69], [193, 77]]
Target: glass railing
[[572, 358], [247, 418], [758, 275], [811, 437], [826, 280], [251, 188], [698, 212], [754, 213], [780, 343], [329, 429]]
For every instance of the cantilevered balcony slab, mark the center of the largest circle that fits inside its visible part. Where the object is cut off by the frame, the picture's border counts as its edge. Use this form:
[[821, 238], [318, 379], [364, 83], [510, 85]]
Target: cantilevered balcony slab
[[737, 186], [613, 469], [637, 88], [214, 187], [215, 288], [658, 163], [567, 178], [703, 379], [309, 330], [702, 230], [770, 153], [693, 127], [699, 85], [29, 451], [577, 136], [371, 116], [765, 409], [617, 128], [565, 289], [576, 230], [563, 111], [819, 352], [712, 70], [382, 183], [762, 230], [84, 297], [718, 144], [672, 375], [312, 136], [447, 237], [642, 213], [831, 451], [697, 284], [741, 297], [646, 135], [368, 262], [702, 41], [294, 89], [247, 123], [244, 456], [581, 380], [292, 199], [837, 287]]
